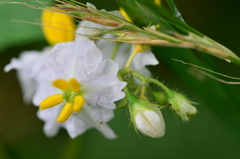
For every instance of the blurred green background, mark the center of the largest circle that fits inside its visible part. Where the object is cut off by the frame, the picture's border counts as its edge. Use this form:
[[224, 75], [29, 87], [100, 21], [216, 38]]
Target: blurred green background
[[213, 133]]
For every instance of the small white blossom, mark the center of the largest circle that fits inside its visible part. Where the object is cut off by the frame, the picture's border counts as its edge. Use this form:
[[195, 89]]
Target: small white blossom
[[99, 88]]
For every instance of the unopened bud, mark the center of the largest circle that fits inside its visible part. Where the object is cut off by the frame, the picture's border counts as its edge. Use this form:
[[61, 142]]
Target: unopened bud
[[146, 117], [160, 97], [181, 105]]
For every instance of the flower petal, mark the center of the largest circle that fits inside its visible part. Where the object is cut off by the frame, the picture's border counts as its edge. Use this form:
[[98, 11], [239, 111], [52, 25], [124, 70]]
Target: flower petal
[[77, 59], [90, 117], [140, 61], [143, 59], [49, 117], [105, 88], [27, 67], [44, 90], [107, 131]]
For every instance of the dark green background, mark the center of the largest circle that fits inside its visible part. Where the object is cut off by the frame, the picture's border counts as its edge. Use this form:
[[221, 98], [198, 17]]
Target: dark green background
[[213, 133]]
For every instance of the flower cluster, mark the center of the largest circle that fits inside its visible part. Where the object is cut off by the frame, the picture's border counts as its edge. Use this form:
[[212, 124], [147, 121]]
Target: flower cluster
[[76, 81]]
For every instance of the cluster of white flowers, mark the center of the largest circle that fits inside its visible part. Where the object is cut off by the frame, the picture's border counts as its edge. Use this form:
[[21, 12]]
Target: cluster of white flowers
[[76, 83]]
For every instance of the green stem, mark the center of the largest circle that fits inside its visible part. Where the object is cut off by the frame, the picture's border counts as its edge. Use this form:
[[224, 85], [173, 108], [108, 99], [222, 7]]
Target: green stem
[[73, 148], [115, 50], [142, 78], [147, 33], [132, 72], [160, 84], [234, 60]]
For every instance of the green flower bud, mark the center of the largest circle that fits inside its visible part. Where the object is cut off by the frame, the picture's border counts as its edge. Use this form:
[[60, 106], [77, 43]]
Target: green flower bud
[[146, 117], [160, 97], [181, 105]]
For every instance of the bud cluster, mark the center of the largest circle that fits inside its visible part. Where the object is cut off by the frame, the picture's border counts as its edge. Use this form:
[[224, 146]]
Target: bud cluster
[[146, 116]]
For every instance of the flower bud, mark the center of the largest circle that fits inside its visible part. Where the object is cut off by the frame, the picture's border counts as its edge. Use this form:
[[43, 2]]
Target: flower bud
[[181, 105], [160, 97], [146, 117]]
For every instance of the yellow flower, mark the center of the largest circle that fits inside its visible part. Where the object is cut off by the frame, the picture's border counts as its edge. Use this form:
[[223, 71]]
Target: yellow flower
[[56, 27]]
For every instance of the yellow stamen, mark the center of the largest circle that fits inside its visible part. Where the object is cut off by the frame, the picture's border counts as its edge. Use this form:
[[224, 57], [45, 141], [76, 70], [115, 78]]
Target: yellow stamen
[[74, 84], [137, 48], [51, 101], [61, 84], [65, 113], [78, 103], [124, 13], [56, 26], [157, 2]]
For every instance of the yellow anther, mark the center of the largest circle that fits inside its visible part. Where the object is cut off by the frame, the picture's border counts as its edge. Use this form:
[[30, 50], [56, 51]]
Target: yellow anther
[[51, 101], [56, 27], [124, 13], [60, 84], [65, 113], [158, 2], [78, 103], [74, 84]]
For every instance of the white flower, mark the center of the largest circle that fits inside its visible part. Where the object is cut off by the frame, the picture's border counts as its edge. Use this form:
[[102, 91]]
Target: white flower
[[78, 89], [28, 65]]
